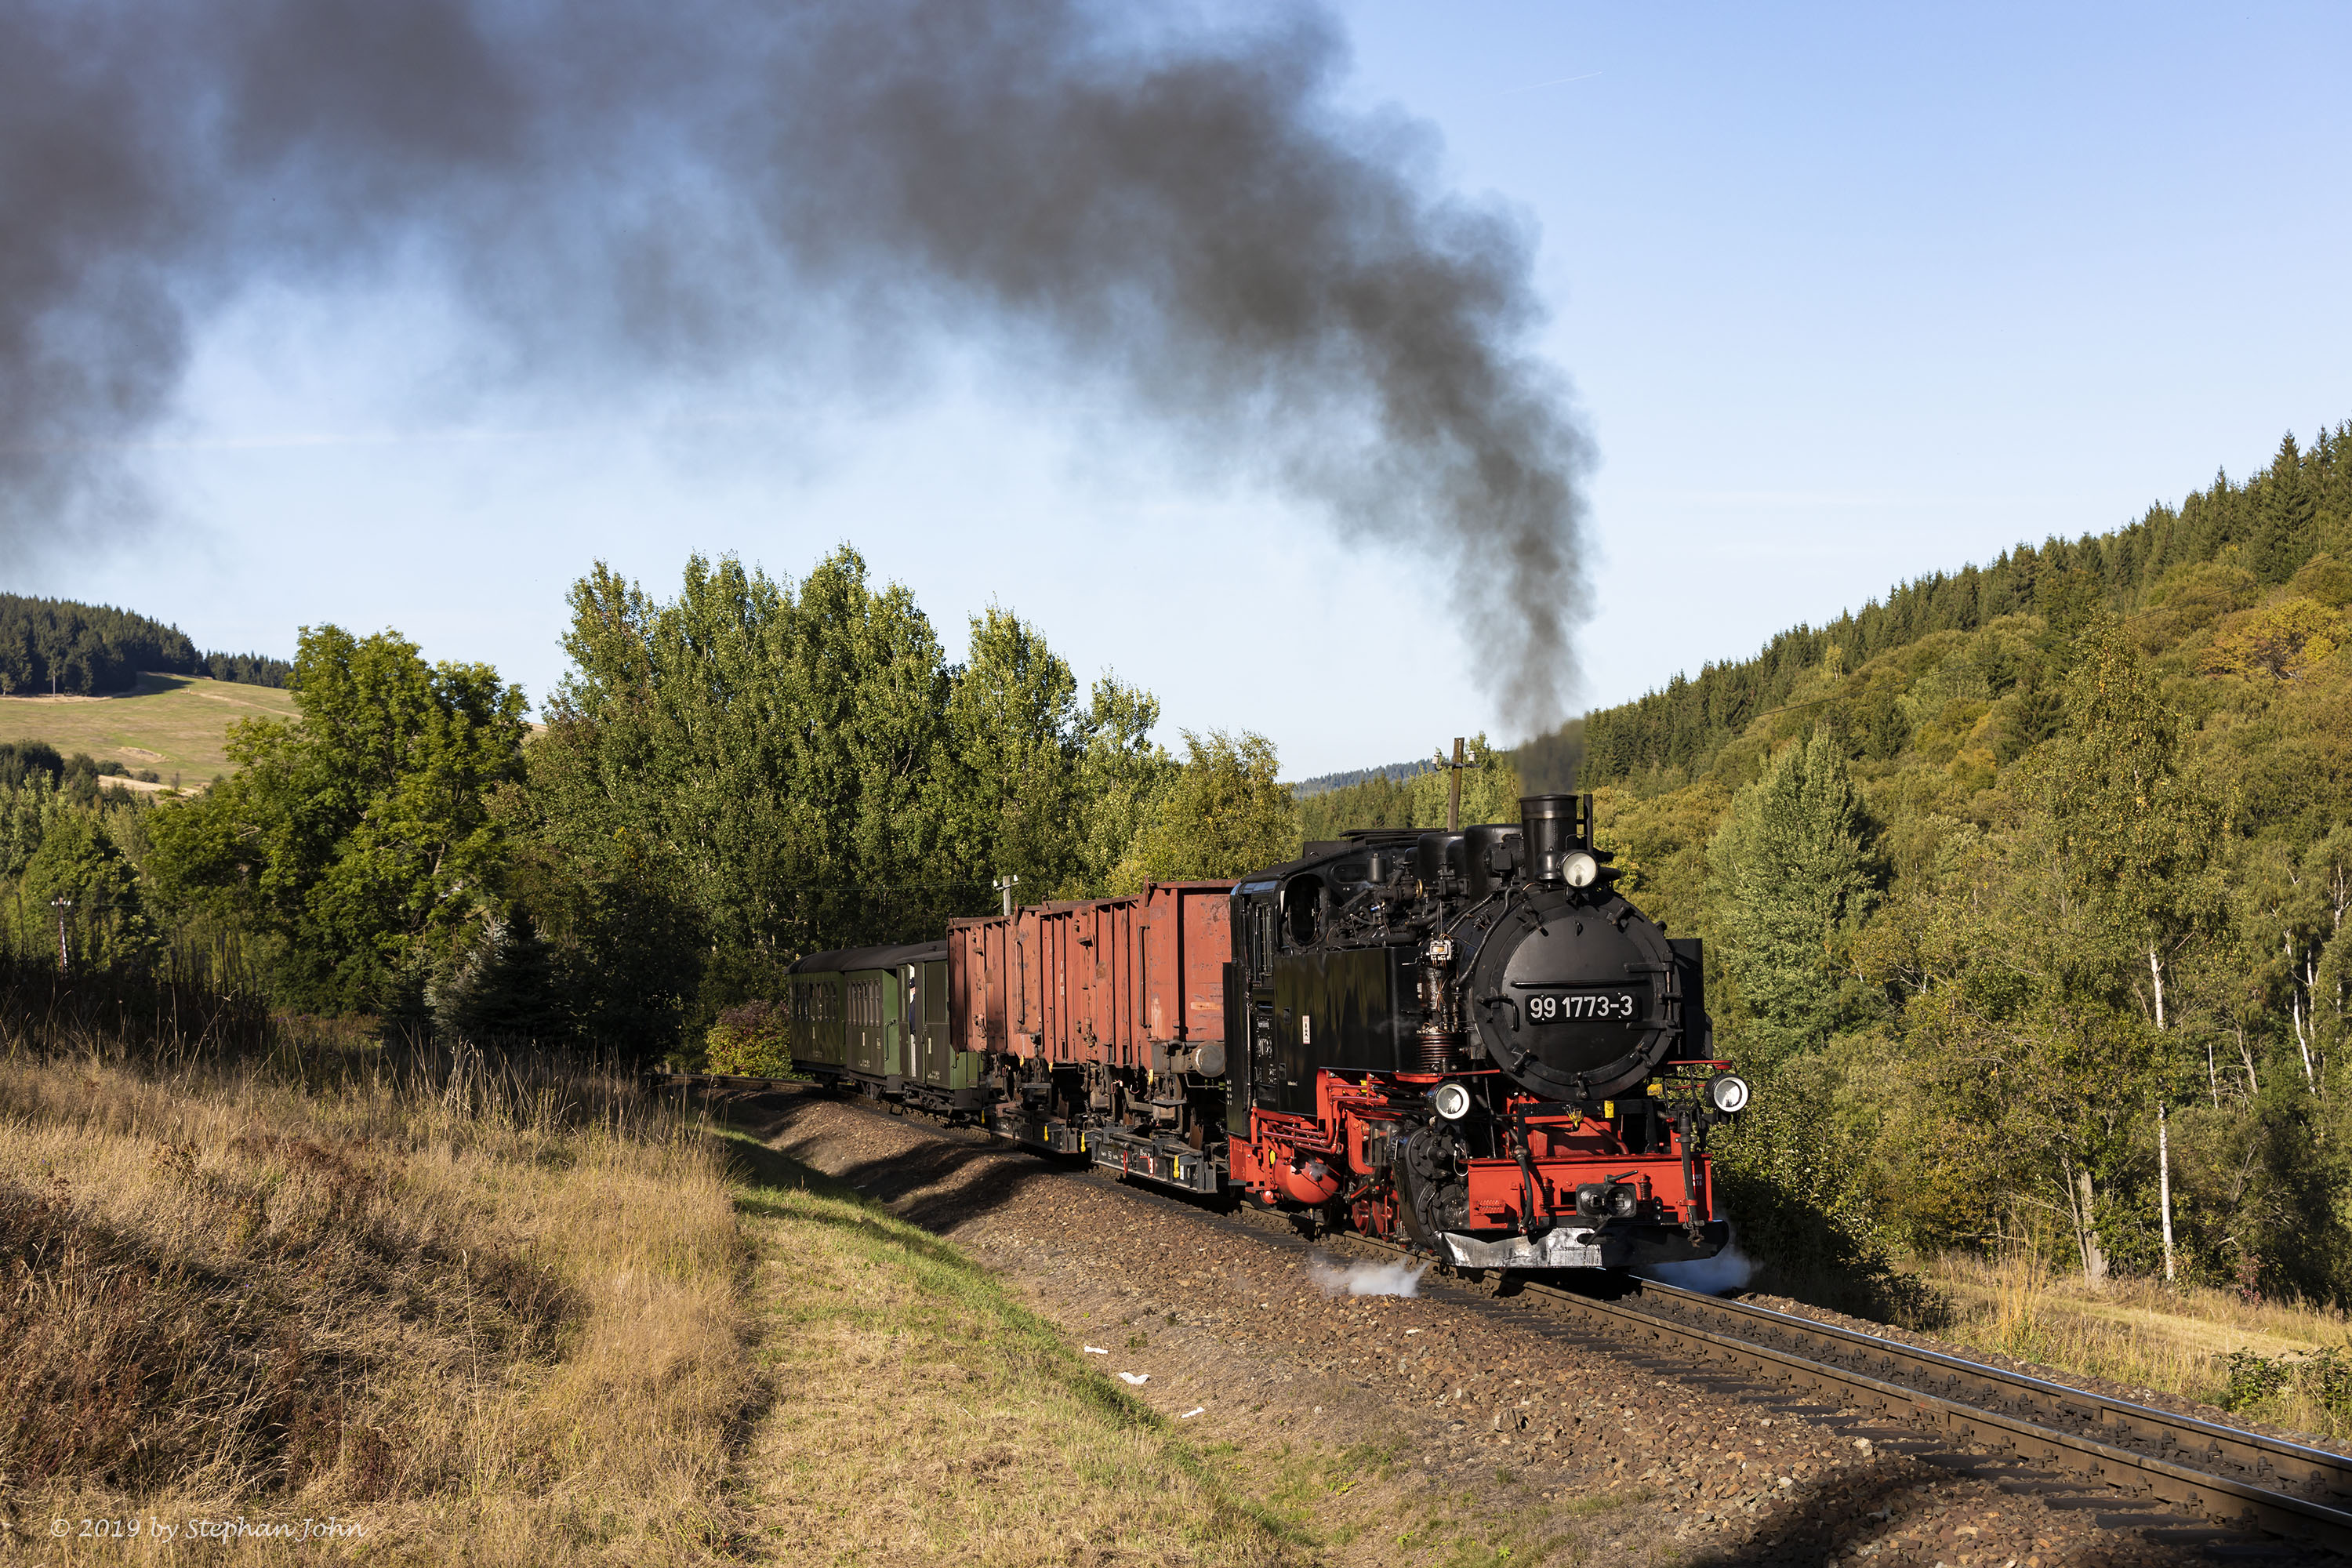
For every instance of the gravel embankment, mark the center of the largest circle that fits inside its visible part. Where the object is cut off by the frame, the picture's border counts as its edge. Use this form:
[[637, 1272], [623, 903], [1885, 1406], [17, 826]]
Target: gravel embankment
[[1487, 1413]]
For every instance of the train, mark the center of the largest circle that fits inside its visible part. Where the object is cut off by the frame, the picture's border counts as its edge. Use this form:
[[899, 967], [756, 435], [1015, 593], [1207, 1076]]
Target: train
[[1466, 1043]]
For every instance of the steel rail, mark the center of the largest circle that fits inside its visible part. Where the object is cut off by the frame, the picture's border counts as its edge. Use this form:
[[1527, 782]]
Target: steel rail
[[2134, 1448], [2255, 1454], [1865, 1372]]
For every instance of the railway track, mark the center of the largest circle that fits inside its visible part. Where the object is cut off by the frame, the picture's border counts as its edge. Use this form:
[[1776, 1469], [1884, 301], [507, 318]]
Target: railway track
[[2072, 1447], [2024, 1432]]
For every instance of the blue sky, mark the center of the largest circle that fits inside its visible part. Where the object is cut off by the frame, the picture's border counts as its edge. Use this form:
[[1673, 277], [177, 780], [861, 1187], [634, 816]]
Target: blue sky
[[1846, 294]]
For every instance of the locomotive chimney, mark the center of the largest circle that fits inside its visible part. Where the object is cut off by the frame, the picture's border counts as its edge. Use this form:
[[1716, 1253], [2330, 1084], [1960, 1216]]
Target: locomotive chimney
[[1548, 826]]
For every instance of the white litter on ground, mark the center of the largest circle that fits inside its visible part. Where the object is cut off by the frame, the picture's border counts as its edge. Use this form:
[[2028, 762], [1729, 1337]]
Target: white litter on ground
[[1094, 1350], [1190, 1414], [1135, 1377]]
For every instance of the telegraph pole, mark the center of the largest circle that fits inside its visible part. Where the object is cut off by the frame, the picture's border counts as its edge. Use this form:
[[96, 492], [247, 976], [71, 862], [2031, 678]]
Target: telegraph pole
[[1006, 885], [61, 904], [1454, 785]]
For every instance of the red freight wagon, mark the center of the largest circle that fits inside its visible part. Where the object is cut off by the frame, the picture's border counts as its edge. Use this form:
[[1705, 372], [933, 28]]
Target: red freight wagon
[[1103, 1004]]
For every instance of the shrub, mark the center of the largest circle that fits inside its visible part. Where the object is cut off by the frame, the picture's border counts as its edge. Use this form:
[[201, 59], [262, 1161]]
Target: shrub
[[750, 1041], [2322, 1378]]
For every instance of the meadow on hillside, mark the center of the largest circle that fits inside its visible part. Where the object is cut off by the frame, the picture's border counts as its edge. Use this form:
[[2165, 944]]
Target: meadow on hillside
[[168, 724]]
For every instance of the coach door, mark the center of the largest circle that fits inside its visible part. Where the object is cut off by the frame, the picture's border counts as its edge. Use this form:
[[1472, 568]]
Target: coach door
[[865, 1026]]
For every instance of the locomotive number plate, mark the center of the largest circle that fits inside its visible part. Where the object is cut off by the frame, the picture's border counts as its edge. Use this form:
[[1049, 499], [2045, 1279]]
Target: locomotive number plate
[[1578, 1005]]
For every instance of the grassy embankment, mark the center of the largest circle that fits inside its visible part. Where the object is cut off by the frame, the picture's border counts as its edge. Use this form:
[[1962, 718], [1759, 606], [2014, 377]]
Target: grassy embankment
[[2179, 1338], [170, 724], [532, 1319], [921, 1414], [486, 1319]]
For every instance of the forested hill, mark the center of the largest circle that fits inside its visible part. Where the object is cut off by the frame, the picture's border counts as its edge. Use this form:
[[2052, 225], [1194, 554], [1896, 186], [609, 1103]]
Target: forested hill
[[2268, 528], [2025, 897], [61, 646], [1323, 783]]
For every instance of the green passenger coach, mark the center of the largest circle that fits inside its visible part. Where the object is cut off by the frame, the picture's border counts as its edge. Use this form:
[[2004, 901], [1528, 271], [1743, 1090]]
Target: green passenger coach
[[878, 1018]]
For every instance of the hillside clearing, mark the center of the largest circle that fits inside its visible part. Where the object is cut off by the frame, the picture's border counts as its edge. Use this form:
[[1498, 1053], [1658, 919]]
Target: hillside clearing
[[168, 724]]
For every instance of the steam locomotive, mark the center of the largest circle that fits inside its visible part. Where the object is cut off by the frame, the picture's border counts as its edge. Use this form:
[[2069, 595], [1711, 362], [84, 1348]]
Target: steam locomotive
[[1464, 1042]]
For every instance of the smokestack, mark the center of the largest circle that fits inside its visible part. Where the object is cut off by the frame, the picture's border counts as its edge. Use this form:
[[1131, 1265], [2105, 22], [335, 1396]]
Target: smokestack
[[1177, 219]]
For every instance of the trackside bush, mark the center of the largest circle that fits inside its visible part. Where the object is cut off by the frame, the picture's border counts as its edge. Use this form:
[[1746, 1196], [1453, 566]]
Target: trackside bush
[[2322, 1378], [749, 1041]]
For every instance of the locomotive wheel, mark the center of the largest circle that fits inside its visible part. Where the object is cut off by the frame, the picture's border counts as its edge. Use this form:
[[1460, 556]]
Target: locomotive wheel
[[1425, 1182], [1408, 1210]]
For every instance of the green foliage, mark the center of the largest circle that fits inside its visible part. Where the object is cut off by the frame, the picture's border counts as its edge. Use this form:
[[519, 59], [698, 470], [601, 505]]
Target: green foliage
[[1376, 801], [1013, 747], [357, 838], [2136, 841], [1490, 789], [2323, 1377], [758, 769], [1123, 775], [2281, 641], [2092, 855], [750, 1041], [504, 986], [1794, 875], [1224, 813], [1789, 1171], [80, 888], [2213, 554], [767, 756]]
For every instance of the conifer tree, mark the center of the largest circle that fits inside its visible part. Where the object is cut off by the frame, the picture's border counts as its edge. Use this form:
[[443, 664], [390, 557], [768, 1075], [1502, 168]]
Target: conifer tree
[[2283, 536], [1793, 874]]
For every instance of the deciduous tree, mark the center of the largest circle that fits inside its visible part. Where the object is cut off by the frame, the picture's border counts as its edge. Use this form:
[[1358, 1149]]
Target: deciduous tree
[[359, 831]]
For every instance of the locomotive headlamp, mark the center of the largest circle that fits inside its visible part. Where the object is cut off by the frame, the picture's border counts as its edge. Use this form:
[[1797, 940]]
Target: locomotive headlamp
[[1727, 1092], [1580, 870], [1451, 1101]]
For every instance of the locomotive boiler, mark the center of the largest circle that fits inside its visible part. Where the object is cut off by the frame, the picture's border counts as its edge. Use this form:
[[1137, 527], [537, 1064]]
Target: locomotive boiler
[[1464, 1042]]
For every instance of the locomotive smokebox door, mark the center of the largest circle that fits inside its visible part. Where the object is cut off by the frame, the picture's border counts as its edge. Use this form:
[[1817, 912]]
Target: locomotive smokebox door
[[1574, 1001]]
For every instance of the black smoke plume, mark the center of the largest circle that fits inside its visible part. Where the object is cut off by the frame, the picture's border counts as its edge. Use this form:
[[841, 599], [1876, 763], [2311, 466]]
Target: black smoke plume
[[1173, 215]]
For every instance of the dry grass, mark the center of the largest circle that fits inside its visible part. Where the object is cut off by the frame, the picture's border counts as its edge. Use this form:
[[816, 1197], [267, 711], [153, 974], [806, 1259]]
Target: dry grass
[[921, 1415], [171, 724], [2177, 1338], [490, 1321]]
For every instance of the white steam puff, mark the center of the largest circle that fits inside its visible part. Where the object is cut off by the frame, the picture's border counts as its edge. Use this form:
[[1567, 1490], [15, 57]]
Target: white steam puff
[[1366, 1278], [1728, 1270]]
